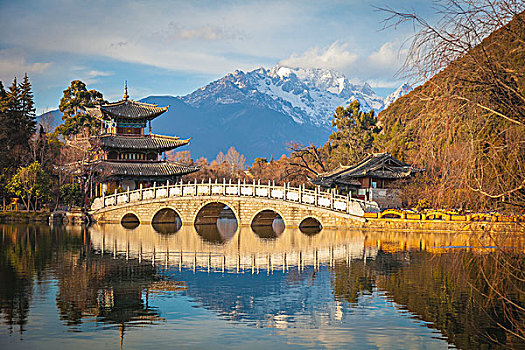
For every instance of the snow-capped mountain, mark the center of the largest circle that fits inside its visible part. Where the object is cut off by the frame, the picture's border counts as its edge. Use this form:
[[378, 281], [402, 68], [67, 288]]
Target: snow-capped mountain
[[307, 95], [261, 111], [401, 91]]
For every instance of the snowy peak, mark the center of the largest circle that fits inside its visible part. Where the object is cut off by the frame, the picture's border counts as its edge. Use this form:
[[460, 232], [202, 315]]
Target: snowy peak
[[401, 91], [306, 95]]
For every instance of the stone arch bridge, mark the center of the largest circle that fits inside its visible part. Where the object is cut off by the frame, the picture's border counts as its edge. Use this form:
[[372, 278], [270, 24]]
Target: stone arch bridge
[[198, 203]]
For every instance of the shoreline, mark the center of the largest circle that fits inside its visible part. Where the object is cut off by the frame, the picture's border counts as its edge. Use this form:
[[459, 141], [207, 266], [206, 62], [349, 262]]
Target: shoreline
[[7, 217]]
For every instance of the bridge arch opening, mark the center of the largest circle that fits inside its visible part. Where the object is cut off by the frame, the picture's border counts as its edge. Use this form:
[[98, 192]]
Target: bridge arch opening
[[166, 221], [130, 221], [310, 226], [268, 224], [216, 223]]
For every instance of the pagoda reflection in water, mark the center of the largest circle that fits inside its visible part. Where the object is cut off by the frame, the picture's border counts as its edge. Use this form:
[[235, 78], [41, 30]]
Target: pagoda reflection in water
[[129, 278]]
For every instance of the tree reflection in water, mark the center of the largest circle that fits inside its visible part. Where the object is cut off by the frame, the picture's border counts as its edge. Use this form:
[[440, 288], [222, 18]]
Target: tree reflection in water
[[89, 285], [476, 299], [474, 296]]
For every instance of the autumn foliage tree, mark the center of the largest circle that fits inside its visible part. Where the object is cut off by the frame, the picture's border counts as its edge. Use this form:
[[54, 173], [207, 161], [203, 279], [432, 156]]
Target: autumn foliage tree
[[466, 125], [31, 184]]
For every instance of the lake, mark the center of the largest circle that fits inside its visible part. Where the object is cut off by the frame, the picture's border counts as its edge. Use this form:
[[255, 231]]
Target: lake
[[224, 286]]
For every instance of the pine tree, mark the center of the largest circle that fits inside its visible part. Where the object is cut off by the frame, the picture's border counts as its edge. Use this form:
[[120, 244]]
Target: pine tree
[[4, 129], [28, 108], [13, 115], [72, 104], [354, 135], [17, 123]]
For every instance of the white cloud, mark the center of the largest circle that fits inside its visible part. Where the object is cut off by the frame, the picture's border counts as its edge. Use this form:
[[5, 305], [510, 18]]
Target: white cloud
[[184, 36], [336, 56], [205, 32], [391, 54], [378, 67], [97, 73], [93, 76], [385, 83], [204, 38], [13, 63]]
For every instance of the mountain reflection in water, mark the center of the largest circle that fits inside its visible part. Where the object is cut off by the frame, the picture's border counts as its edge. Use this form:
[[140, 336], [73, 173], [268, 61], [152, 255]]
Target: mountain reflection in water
[[333, 289]]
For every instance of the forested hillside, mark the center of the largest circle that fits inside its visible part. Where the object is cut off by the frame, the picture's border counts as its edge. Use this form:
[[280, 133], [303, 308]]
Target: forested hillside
[[466, 124]]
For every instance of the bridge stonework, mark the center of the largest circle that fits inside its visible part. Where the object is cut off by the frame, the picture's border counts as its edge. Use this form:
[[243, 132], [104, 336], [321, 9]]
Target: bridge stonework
[[245, 210], [245, 200]]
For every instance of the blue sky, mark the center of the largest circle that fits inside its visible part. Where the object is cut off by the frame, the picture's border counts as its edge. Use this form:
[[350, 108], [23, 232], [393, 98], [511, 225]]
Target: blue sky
[[174, 47]]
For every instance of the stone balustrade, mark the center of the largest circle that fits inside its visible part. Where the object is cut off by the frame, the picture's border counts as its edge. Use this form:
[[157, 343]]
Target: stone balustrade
[[297, 195]]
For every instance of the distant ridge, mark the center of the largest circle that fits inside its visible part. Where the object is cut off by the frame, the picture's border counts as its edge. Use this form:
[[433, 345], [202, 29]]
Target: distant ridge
[[261, 111]]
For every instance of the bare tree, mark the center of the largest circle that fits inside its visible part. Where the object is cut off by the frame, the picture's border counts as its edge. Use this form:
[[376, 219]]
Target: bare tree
[[477, 100], [309, 158]]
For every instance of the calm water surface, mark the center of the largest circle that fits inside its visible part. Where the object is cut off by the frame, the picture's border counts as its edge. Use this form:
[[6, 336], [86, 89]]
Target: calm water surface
[[227, 287]]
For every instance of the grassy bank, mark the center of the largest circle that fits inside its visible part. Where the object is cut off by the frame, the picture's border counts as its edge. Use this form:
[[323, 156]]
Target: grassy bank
[[23, 216]]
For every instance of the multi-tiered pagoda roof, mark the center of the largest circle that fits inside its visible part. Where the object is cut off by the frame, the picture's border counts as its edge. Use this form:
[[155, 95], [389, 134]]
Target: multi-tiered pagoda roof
[[126, 153], [128, 109], [147, 142]]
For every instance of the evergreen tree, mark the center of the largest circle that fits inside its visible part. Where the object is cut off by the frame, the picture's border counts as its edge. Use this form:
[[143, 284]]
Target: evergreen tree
[[28, 108], [72, 104], [13, 126], [4, 130], [3, 94], [354, 134], [17, 123]]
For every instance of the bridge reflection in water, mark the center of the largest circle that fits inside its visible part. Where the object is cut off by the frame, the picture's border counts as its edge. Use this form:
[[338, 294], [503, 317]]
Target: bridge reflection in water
[[226, 247], [338, 289]]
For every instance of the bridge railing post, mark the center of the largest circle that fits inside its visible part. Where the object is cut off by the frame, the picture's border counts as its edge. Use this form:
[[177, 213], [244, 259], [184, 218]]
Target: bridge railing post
[[253, 191], [269, 189], [300, 196], [284, 191], [103, 199], [316, 196], [129, 198], [155, 189], [224, 186], [348, 203], [141, 192], [238, 187], [196, 188], [332, 199]]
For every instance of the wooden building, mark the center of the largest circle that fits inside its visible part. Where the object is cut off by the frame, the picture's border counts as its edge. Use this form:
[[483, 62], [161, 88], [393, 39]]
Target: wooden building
[[124, 156], [374, 178]]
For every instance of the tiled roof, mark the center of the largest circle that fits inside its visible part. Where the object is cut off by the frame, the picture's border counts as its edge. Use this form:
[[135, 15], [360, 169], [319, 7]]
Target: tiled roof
[[145, 142], [142, 169], [129, 109], [377, 165]]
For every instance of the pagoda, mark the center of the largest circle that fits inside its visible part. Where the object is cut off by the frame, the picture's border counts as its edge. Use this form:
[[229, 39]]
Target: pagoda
[[125, 157]]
